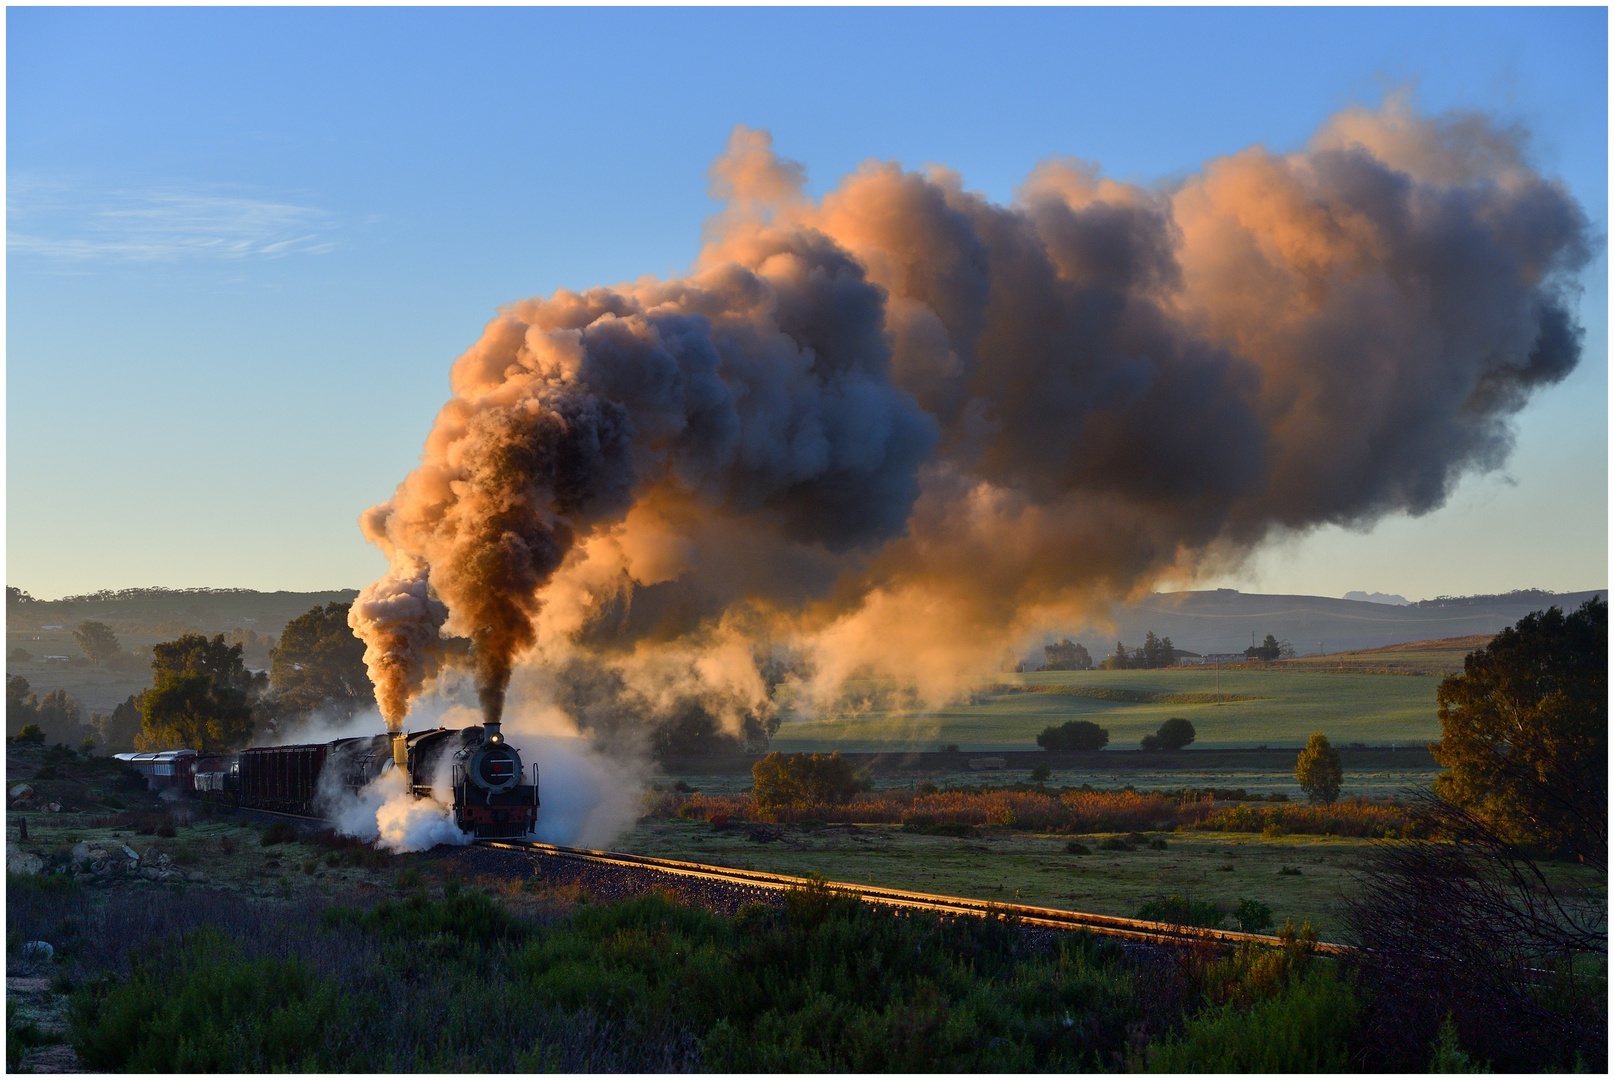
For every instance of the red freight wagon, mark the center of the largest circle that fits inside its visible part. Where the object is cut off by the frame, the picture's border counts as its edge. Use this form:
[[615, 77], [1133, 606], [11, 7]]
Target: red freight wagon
[[283, 778]]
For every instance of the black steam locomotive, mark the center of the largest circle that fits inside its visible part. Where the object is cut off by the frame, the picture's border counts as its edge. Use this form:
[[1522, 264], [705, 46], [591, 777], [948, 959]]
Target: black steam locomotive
[[491, 797]]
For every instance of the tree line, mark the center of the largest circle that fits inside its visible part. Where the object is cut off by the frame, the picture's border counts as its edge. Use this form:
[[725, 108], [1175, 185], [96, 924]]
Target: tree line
[[202, 695], [1068, 655]]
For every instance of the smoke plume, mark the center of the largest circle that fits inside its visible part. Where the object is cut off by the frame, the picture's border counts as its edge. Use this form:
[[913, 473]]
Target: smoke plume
[[892, 430]]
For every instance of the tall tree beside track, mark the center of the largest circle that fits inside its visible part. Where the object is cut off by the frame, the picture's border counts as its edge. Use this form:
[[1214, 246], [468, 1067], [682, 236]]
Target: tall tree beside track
[[1318, 770], [1478, 926], [1524, 732], [201, 696], [319, 662]]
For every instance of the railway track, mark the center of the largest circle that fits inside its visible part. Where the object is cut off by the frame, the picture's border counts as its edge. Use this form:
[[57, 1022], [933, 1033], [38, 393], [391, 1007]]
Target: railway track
[[1050, 918]]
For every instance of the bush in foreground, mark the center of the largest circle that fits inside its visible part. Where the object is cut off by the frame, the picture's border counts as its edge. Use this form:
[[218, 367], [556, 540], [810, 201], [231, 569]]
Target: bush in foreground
[[819, 982]]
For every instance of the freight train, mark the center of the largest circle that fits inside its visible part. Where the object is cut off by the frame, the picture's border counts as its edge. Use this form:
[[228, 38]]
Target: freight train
[[491, 795]]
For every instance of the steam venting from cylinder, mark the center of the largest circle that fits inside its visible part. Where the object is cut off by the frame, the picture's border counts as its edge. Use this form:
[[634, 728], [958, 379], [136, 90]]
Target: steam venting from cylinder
[[893, 430]]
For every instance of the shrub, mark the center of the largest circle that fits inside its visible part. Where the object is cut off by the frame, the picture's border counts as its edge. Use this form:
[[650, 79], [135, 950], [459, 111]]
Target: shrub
[[1179, 912], [803, 780], [1043, 810], [1116, 843], [465, 914], [193, 1004], [1040, 774], [1446, 1054], [1353, 817], [1252, 916], [1303, 1028], [1076, 847], [281, 832], [1077, 736], [20, 1035], [931, 827], [826, 983], [32, 734]]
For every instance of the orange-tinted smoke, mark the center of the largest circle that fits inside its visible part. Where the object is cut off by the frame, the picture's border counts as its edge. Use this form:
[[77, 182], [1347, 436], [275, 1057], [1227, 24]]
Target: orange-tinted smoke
[[897, 427]]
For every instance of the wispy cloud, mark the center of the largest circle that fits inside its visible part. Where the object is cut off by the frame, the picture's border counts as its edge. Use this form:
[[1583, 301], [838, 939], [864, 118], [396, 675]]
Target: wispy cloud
[[59, 221]]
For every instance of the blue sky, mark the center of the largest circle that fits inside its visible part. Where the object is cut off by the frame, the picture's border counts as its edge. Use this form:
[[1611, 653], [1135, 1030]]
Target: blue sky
[[245, 245]]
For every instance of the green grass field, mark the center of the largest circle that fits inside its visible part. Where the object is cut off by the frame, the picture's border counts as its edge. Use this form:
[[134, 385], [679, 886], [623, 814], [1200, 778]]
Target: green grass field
[[1030, 869], [1279, 706]]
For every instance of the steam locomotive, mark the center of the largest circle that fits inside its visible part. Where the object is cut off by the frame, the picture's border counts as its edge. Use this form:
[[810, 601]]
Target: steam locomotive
[[490, 797]]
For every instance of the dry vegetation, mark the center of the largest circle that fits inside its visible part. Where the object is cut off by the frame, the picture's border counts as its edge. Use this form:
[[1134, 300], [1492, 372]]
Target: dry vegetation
[[1079, 811]]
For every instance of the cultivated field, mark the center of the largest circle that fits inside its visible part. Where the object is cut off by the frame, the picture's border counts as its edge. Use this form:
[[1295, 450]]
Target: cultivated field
[[1274, 705]]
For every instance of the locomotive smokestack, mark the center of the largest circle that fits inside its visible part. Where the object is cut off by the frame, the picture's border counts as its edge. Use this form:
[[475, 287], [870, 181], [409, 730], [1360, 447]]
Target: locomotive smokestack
[[491, 730], [400, 751]]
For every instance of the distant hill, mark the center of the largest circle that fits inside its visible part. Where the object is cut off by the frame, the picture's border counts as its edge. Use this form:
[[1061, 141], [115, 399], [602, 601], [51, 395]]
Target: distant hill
[[1222, 620], [213, 610], [1443, 656]]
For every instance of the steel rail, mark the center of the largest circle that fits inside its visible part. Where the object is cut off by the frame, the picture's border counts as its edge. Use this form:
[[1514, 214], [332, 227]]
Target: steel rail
[[1052, 918]]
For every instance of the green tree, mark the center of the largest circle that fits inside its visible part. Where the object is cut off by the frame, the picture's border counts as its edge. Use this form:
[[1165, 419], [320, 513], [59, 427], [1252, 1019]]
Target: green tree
[[1269, 649], [116, 733], [97, 640], [1157, 652], [22, 706], [1524, 732], [1318, 769], [57, 714], [1174, 734], [319, 662], [201, 696], [1076, 736], [1067, 655]]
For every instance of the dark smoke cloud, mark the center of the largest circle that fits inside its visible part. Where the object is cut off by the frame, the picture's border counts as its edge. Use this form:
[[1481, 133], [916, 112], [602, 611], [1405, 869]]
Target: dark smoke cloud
[[895, 429]]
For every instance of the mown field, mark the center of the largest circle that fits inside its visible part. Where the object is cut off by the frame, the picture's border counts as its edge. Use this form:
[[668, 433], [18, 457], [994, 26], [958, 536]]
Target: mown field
[[1271, 705]]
